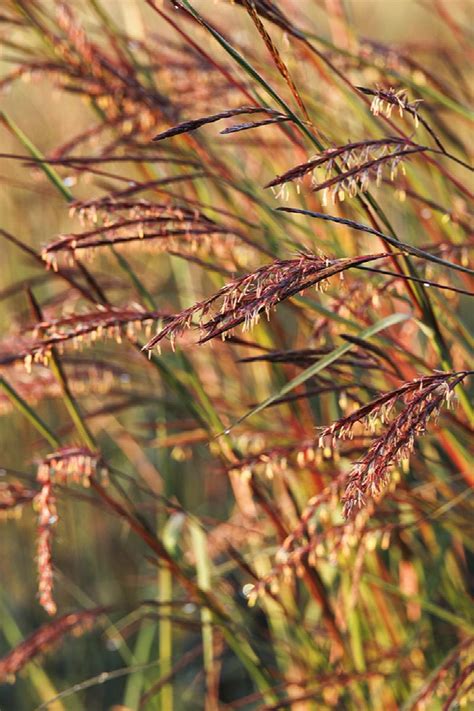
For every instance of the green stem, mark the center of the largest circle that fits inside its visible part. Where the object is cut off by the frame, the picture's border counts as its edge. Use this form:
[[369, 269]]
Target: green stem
[[47, 169], [165, 593], [30, 415]]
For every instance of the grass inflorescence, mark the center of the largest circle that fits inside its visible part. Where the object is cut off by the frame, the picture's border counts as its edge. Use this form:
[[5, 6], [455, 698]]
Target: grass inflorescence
[[274, 512]]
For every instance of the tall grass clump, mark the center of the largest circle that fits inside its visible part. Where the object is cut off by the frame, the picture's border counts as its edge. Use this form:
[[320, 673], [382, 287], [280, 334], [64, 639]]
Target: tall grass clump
[[236, 355]]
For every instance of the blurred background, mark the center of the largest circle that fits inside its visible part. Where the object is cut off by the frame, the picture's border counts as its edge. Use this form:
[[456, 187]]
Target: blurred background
[[145, 431]]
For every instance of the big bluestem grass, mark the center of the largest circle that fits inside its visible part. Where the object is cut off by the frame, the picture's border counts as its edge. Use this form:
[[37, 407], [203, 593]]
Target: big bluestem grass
[[275, 512]]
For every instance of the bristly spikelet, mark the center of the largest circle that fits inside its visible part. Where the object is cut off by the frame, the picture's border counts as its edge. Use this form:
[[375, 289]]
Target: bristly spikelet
[[71, 464], [385, 100], [45, 503]]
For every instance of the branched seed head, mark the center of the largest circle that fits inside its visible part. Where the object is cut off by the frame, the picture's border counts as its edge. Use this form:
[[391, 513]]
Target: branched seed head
[[66, 465], [275, 460], [81, 329], [46, 637], [422, 400], [359, 163], [140, 224], [319, 535], [244, 299], [83, 376]]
